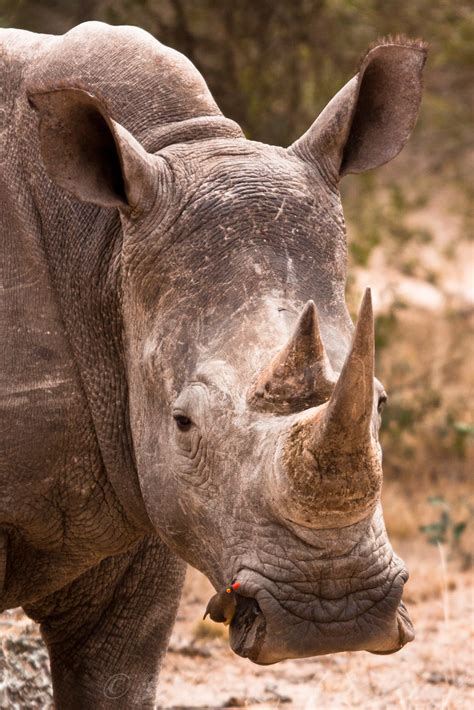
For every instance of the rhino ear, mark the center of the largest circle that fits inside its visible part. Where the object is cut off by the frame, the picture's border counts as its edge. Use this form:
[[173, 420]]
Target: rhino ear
[[369, 121], [88, 154]]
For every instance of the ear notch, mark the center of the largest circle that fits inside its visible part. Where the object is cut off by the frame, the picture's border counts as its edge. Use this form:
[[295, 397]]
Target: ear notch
[[371, 118], [87, 153]]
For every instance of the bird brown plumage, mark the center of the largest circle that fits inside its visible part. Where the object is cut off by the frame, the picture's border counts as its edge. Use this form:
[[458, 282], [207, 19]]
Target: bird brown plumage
[[221, 607]]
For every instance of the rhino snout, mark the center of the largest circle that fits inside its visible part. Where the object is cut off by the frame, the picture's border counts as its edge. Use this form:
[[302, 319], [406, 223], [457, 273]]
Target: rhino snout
[[273, 622]]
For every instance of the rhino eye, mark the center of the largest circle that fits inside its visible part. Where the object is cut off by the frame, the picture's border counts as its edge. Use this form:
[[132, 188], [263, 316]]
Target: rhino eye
[[381, 403], [182, 422]]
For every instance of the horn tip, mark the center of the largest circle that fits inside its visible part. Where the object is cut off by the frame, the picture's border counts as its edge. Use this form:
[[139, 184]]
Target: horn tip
[[309, 306], [366, 305], [364, 329], [308, 315]]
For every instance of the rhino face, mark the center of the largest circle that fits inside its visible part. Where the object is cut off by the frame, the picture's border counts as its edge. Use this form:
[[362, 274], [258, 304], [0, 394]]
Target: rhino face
[[262, 441], [286, 504], [254, 410], [307, 587]]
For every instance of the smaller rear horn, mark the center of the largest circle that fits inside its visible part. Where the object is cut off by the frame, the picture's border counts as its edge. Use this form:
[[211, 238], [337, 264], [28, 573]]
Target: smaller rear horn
[[299, 376]]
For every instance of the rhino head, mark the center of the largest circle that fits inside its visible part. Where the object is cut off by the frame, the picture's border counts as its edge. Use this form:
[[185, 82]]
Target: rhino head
[[254, 409]]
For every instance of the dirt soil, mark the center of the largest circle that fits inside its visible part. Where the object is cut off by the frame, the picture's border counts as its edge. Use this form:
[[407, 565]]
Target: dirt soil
[[435, 671]]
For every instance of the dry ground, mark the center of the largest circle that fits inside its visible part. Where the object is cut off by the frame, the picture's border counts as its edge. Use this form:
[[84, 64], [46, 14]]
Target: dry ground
[[436, 671]]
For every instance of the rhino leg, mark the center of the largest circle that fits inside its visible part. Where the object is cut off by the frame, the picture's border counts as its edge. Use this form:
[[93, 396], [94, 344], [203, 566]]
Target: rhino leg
[[108, 631]]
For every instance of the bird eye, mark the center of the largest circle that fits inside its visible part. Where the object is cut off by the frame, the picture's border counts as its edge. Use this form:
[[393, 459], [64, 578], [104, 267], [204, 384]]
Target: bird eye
[[381, 403], [183, 422]]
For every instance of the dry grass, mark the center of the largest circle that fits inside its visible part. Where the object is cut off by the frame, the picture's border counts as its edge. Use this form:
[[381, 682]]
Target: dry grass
[[204, 630]]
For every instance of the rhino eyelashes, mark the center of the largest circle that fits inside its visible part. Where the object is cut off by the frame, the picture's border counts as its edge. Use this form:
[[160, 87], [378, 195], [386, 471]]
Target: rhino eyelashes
[[183, 422], [300, 375]]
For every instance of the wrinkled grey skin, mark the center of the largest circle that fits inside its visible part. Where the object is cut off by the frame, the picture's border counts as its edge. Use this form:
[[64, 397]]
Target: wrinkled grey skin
[[154, 260]]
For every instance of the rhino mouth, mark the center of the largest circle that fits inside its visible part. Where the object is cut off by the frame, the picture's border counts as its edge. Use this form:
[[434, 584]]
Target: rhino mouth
[[255, 635], [248, 629]]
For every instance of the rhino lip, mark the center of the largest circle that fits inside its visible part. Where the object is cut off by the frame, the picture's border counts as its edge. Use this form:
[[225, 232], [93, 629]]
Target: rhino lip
[[248, 629], [405, 626], [406, 632]]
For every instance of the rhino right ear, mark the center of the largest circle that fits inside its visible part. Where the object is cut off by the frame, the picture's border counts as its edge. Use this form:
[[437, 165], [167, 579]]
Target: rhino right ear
[[88, 154], [369, 121]]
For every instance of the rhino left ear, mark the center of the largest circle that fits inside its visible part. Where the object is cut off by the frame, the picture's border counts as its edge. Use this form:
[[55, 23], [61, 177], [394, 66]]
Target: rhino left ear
[[88, 154], [369, 121]]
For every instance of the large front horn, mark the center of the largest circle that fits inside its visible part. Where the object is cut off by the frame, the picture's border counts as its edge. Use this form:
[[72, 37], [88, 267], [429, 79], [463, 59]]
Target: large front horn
[[349, 413], [331, 472], [299, 376]]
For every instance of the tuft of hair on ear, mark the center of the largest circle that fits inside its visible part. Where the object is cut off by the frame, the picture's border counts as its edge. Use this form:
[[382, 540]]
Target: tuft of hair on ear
[[398, 40]]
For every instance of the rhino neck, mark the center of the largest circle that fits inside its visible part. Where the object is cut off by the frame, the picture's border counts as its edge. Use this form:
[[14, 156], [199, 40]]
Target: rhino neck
[[83, 257], [82, 245]]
